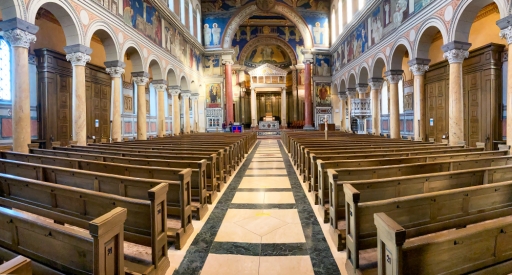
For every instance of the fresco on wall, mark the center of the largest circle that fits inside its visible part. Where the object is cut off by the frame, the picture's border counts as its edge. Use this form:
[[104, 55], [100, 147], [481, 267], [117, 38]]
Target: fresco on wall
[[141, 15], [214, 25], [213, 95], [322, 65], [318, 23], [212, 65], [387, 16], [323, 94]]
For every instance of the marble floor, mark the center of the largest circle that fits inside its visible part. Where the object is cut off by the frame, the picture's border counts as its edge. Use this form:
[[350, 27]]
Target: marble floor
[[264, 222]]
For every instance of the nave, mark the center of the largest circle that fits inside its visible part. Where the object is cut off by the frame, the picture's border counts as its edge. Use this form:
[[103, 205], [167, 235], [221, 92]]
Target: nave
[[264, 223]]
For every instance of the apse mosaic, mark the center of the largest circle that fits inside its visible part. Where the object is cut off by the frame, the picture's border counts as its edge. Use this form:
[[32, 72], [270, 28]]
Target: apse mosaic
[[268, 54], [387, 16]]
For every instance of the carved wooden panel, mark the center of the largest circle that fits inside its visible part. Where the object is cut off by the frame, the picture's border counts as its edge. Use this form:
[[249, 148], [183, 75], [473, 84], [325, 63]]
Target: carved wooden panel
[[472, 109], [437, 109], [64, 119]]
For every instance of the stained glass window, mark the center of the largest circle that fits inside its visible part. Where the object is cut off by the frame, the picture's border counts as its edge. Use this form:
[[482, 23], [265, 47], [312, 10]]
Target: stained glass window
[[5, 71]]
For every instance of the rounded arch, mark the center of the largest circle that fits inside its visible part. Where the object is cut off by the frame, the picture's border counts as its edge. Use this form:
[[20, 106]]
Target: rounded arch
[[426, 33], [65, 14], [262, 40], [363, 73], [378, 65], [184, 82], [172, 79], [12, 9], [465, 15], [194, 88], [398, 52], [352, 80], [334, 88], [250, 9], [156, 68], [107, 36], [343, 85], [133, 52]]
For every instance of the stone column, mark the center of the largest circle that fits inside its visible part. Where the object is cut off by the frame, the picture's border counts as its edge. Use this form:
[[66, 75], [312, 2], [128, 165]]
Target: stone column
[[20, 34], [79, 55], [456, 52], [115, 69], [505, 25], [174, 91], [376, 87], [141, 78], [308, 106], [283, 108], [418, 67], [254, 109], [229, 90], [295, 99], [362, 89], [195, 112], [343, 98], [185, 96], [352, 94], [394, 76], [160, 87]]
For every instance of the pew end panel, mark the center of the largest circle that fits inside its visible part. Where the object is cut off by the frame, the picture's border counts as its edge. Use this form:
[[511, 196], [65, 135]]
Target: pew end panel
[[390, 239], [19, 266], [322, 194], [158, 211]]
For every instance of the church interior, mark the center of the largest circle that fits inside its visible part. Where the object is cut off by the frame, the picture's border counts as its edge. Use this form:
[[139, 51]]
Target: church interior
[[250, 137]]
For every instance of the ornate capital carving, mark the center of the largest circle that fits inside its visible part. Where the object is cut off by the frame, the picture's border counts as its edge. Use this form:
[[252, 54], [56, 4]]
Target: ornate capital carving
[[174, 90], [186, 94], [375, 83], [140, 80], [362, 88], [419, 69], [78, 58], [456, 55], [160, 87], [19, 38], [342, 95], [194, 96], [394, 79], [507, 34], [351, 92], [115, 71]]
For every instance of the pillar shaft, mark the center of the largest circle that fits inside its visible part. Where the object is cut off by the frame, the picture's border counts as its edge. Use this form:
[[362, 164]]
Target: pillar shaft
[[20, 34], [308, 112], [283, 108], [505, 24], [195, 113], [141, 78], [343, 113], [229, 92], [115, 69], [79, 55], [174, 91], [349, 105], [254, 111], [456, 52], [394, 77], [186, 112], [418, 67], [160, 86], [376, 87]]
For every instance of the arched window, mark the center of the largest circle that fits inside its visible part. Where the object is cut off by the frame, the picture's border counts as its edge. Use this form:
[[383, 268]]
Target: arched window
[[340, 17], [5, 70], [360, 4], [333, 24], [171, 5], [182, 11]]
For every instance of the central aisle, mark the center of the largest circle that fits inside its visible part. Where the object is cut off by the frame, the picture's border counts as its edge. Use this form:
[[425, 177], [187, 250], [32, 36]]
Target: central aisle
[[262, 224]]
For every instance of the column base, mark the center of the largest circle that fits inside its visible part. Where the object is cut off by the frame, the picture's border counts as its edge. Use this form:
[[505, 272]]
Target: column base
[[309, 128]]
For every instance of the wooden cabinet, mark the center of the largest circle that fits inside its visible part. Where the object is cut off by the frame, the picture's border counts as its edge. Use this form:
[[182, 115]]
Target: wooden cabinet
[[55, 84]]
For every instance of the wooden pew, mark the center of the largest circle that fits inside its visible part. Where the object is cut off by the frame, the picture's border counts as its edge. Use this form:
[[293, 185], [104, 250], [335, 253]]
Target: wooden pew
[[197, 183], [178, 200], [212, 167], [422, 214], [19, 266], [322, 197], [478, 249], [99, 252]]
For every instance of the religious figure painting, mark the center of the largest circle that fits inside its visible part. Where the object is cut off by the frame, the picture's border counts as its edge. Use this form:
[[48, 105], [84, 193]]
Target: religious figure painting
[[322, 65], [211, 65], [144, 17], [318, 23], [323, 94], [214, 25], [213, 95]]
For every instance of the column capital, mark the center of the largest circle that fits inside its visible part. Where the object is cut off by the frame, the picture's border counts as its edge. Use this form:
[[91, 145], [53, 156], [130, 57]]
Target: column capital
[[376, 83], [505, 25], [18, 32], [140, 78], [185, 94], [456, 51], [394, 76], [419, 66], [159, 84], [351, 92], [283, 89], [308, 56], [174, 90], [78, 54], [115, 68], [362, 88], [194, 96], [342, 95]]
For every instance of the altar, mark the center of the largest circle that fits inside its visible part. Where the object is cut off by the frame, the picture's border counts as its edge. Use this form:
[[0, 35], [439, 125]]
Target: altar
[[269, 125]]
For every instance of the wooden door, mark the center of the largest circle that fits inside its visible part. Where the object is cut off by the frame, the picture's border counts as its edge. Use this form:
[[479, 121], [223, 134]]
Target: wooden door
[[437, 109], [473, 104], [64, 110]]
